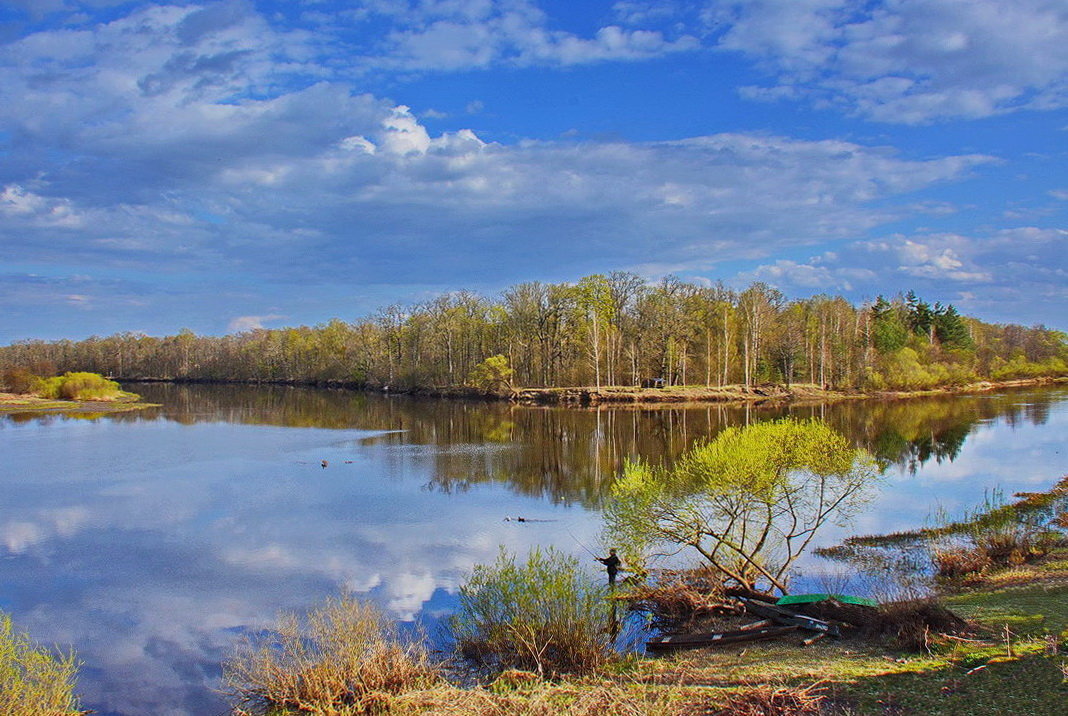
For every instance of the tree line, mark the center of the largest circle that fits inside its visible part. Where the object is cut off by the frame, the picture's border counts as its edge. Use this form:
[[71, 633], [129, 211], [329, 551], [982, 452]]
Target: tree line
[[613, 329]]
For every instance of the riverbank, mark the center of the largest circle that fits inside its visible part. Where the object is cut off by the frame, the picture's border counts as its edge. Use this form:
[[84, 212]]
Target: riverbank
[[1013, 662], [993, 671], [11, 403], [768, 393], [622, 396]]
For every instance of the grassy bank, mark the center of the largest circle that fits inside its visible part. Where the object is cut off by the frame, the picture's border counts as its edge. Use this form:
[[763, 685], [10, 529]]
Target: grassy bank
[[11, 403], [1012, 661], [990, 672]]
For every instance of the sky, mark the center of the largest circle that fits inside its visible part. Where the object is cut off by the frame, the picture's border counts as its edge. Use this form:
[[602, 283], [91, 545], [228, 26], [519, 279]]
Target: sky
[[223, 166]]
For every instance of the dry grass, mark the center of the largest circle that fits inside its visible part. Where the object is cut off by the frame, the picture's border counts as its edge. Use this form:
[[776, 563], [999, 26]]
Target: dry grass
[[346, 659], [962, 566], [774, 700], [33, 681], [538, 698]]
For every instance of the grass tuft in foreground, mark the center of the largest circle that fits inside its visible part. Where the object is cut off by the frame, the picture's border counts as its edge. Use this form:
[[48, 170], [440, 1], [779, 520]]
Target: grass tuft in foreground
[[345, 659], [33, 680]]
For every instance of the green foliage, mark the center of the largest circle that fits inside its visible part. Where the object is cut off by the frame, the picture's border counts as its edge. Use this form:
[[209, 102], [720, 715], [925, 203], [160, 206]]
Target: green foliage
[[889, 330], [492, 374], [1020, 367], [544, 615], [950, 328], [33, 681], [749, 501], [78, 386], [904, 370]]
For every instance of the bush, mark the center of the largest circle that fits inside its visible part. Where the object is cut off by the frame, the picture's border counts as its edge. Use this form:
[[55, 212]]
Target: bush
[[78, 386], [545, 615], [960, 564], [1020, 367], [346, 659], [18, 380], [492, 374], [33, 681]]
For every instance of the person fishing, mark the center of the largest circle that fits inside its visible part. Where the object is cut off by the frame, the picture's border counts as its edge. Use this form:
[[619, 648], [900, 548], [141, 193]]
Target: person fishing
[[611, 563]]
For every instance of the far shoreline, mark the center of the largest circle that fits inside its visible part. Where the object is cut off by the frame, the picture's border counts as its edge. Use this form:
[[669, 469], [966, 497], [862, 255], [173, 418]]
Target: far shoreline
[[630, 396]]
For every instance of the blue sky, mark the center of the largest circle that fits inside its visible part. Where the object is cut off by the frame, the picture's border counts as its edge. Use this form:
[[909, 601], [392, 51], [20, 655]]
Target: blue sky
[[226, 165]]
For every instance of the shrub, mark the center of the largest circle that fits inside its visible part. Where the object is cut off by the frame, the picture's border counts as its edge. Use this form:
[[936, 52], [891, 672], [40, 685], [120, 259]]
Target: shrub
[[18, 380], [78, 386], [545, 615], [959, 564], [33, 681], [492, 374], [345, 659], [87, 386]]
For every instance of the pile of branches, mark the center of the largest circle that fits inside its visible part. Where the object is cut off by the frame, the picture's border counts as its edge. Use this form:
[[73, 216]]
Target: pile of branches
[[680, 600], [686, 601]]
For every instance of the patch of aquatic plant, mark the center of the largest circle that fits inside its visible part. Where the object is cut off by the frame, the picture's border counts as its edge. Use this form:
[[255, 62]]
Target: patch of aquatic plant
[[34, 681], [544, 615], [997, 534], [344, 658]]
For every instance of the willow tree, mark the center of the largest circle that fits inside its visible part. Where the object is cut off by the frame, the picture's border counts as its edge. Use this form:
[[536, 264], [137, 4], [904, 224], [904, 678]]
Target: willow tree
[[749, 502]]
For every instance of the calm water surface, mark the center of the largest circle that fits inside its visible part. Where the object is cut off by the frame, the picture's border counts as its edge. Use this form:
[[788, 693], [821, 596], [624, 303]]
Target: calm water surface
[[149, 541]]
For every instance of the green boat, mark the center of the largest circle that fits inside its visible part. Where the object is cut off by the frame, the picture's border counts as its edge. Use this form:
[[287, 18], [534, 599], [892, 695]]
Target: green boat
[[810, 598]]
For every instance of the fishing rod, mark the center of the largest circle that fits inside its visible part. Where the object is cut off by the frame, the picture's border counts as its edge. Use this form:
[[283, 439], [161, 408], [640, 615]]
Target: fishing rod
[[580, 544]]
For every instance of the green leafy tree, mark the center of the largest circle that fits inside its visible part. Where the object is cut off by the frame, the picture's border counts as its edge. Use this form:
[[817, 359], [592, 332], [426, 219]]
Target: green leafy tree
[[749, 502], [493, 373]]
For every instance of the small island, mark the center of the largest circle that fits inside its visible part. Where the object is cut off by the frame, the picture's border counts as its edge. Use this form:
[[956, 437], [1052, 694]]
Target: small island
[[73, 392]]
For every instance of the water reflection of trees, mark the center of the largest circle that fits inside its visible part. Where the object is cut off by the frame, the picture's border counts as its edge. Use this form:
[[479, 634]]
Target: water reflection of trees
[[572, 455]]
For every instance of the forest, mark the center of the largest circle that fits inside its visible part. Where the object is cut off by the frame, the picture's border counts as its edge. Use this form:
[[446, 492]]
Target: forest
[[613, 329]]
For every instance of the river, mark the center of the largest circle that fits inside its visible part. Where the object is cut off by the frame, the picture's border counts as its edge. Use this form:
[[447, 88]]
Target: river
[[150, 541]]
